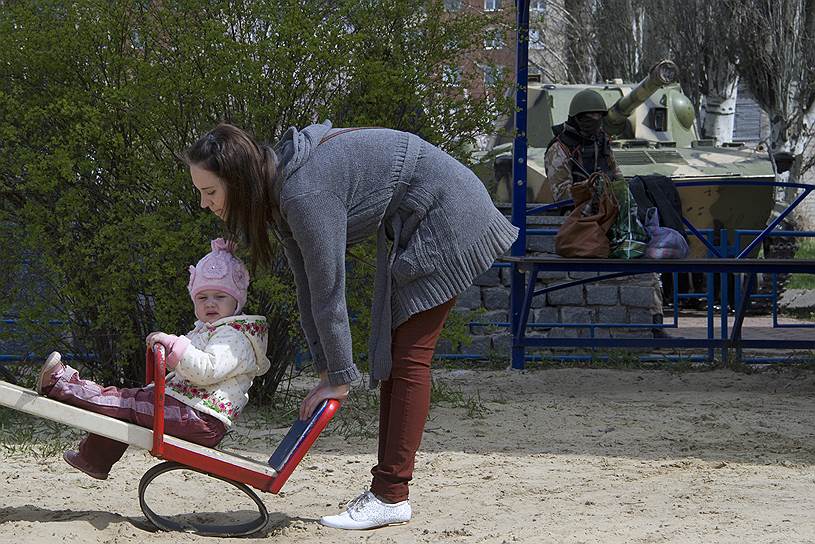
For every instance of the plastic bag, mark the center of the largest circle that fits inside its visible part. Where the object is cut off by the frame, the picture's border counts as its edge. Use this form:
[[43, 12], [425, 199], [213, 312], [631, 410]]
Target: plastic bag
[[628, 237], [665, 242]]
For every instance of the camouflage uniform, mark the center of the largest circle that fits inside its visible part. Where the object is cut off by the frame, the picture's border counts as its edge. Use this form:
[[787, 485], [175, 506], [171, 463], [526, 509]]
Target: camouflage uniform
[[558, 172], [561, 170], [572, 156]]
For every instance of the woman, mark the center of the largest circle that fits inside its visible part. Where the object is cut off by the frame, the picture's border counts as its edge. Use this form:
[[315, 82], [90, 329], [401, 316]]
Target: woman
[[321, 189]]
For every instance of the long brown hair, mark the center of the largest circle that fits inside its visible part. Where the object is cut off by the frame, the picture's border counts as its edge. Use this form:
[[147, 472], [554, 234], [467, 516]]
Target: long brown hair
[[248, 171]]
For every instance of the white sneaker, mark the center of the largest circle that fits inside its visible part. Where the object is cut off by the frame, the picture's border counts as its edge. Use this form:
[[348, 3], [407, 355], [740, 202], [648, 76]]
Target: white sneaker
[[368, 512]]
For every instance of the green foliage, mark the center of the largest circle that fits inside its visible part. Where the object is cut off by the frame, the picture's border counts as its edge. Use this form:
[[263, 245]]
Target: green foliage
[[28, 436], [806, 250], [443, 393], [98, 219]]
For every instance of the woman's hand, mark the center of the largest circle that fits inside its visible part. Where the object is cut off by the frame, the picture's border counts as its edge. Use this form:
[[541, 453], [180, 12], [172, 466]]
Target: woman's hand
[[321, 392]]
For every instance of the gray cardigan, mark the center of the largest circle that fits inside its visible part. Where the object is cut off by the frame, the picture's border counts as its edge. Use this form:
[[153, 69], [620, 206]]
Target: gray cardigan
[[438, 217]]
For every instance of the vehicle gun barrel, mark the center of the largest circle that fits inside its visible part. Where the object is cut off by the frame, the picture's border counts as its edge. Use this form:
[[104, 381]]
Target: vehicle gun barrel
[[661, 74]]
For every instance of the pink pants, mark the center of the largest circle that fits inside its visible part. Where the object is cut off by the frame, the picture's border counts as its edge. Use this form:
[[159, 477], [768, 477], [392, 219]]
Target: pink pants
[[134, 405], [405, 402]]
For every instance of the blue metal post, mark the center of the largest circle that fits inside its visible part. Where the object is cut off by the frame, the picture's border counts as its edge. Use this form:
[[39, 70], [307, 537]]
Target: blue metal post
[[519, 180], [711, 297], [723, 297]]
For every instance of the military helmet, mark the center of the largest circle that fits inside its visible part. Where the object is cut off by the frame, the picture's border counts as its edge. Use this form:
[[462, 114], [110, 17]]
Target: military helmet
[[585, 101]]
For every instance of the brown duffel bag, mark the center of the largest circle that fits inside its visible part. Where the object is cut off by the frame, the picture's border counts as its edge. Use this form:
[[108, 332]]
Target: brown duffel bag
[[587, 235]]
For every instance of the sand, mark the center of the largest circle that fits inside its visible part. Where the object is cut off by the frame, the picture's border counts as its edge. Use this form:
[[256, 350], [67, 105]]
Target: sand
[[569, 455]]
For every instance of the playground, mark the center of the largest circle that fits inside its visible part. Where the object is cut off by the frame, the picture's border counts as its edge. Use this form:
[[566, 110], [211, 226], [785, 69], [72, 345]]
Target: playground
[[566, 455], [98, 218]]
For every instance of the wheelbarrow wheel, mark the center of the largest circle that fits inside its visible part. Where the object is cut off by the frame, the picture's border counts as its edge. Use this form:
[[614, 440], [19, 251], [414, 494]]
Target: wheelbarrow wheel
[[166, 524]]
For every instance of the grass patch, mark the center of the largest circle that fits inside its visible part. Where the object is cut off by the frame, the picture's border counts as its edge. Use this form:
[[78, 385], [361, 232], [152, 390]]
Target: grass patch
[[611, 358], [806, 250], [25, 435], [494, 361], [443, 393], [805, 314], [359, 416], [804, 362], [618, 359]]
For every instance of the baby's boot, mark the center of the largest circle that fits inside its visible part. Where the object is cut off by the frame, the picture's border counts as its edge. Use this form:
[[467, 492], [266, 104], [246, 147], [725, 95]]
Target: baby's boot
[[48, 374], [74, 458]]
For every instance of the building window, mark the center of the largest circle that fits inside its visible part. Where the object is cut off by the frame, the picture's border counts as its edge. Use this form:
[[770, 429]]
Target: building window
[[491, 74], [452, 5], [538, 6], [535, 41], [494, 40], [492, 5], [451, 75]]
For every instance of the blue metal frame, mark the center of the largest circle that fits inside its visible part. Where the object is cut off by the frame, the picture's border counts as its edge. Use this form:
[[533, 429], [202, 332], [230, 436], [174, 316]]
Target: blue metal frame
[[11, 359], [729, 338], [739, 233], [718, 263], [519, 170]]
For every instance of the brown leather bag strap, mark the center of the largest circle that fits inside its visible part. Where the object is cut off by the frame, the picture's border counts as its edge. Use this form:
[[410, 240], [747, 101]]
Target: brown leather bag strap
[[342, 131]]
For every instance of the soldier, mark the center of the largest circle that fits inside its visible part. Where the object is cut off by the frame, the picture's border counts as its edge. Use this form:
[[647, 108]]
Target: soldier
[[580, 146]]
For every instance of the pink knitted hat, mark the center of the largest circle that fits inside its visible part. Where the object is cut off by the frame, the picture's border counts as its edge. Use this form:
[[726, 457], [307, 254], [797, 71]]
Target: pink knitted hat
[[222, 271]]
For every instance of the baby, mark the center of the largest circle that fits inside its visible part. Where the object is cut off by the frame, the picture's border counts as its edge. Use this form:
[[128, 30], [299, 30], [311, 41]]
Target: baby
[[212, 369]]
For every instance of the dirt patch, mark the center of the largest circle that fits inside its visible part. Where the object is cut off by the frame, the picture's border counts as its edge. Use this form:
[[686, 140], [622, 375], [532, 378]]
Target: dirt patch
[[558, 455]]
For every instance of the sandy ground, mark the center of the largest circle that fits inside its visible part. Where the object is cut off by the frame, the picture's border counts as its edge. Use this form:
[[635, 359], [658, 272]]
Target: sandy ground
[[559, 455]]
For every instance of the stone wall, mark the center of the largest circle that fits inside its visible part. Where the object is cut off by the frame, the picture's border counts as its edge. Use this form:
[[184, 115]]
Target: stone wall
[[633, 299]]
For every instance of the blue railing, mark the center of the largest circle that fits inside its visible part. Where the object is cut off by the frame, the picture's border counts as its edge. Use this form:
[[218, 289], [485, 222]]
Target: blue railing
[[738, 248]]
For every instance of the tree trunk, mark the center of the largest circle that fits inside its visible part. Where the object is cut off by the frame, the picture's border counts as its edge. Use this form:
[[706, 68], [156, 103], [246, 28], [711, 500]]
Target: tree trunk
[[792, 137], [580, 58], [720, 112]]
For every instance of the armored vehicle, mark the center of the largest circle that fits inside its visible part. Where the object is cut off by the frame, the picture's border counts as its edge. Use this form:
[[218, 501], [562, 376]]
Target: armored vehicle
[[653, 130]]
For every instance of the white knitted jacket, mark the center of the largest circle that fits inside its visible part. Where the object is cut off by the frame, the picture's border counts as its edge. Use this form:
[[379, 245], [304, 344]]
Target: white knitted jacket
[[217, 364]]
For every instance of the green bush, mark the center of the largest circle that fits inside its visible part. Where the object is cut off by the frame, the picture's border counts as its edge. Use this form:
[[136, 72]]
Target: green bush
[[97, 99]]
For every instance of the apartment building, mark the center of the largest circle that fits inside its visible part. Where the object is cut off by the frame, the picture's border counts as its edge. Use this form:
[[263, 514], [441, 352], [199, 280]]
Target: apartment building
[[547, 42]]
